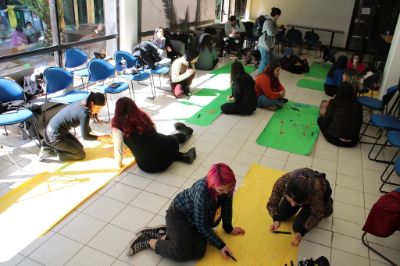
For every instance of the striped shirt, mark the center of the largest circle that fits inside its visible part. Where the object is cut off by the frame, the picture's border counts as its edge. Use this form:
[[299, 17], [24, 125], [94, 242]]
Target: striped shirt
[[202, 211]]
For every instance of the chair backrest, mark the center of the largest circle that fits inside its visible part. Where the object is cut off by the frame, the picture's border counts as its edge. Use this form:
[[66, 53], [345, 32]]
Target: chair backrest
[[294, 35], [74, 57], [57, 79], [100, 70], [249, 26], [10, 91], [389, 94], [130, 60], [311, 36]]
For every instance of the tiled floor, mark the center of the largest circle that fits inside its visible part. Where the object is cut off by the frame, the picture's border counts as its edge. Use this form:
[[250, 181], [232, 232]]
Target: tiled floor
[[98, 232]]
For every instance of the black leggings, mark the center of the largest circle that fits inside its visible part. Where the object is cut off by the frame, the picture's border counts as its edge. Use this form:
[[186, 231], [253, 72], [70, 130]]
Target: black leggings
[[66, 146], [234, 108], [183, 241]]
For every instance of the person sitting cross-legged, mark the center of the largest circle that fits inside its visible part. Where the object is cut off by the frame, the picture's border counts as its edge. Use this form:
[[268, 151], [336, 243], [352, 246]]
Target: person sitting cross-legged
[[190, 219], [269, 89]]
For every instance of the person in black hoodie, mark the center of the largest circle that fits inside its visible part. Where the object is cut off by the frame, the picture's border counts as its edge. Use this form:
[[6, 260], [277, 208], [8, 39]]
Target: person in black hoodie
[[341, 122], [244, 99]]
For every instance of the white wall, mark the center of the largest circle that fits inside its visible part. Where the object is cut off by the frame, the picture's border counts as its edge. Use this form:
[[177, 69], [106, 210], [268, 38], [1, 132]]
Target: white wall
[[332, 14], [391, 73], [128, 24]]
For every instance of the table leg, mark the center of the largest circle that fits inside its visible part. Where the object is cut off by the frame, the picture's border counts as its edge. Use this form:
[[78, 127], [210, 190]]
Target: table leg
[[332, 36]]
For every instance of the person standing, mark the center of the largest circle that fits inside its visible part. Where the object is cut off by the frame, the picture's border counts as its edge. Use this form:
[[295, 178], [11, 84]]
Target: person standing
[[266, 42]]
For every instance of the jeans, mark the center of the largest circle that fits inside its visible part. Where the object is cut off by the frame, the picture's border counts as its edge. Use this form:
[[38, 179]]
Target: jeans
[[264, 101], [266, 57], [183, 241]]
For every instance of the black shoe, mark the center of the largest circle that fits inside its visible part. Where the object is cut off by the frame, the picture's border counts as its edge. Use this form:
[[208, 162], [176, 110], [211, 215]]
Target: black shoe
[[139, 243], [182, 128], [284, 100], [153, 232], [189, 156]]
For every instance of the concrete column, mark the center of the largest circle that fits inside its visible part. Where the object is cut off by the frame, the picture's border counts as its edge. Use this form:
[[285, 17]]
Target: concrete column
[[128, 24], [391, 73]]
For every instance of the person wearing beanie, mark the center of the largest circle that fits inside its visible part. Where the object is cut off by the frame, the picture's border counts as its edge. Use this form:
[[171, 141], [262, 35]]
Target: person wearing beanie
[[182, 73], [58, 140]]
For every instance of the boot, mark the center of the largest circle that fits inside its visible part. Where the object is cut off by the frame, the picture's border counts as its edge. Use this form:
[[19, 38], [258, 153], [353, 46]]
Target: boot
[[189, 156], [182, 128]]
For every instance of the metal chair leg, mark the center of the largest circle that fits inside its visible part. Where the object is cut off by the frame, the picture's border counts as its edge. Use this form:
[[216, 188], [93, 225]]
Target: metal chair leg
[[5, 129], [365, 242]]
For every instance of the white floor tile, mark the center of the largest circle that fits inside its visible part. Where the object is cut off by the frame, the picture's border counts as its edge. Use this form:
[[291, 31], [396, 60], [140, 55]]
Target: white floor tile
[[56, 251], [149, 202], [132, 218], [112, 240], [340, 258], [161, 189], [122, 192], [82, 228], [104, 208], [13, 261], [349, 244], [88, 256]]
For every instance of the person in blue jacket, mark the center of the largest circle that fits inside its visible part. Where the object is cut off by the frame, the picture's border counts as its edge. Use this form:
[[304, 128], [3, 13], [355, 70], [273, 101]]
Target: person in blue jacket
[[335, 76]]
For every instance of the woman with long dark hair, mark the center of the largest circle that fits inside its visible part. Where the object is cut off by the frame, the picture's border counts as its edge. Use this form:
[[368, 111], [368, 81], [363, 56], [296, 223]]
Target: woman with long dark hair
[[335, 76], [341, 122], [164, 43], [153, 151], [302, 191], [207, 54], [190, 219], [243, 100], [269, 89], [356, 64], [57, 138]]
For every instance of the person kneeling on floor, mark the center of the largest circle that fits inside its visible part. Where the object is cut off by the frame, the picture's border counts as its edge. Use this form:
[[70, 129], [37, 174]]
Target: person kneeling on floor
[[303, 189], [58, 140], [183, 72], [190, 219], [153, 151], [269, 89]]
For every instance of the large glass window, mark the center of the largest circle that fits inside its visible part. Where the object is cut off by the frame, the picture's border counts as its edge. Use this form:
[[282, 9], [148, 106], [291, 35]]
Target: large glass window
[[26, 30], [24, 26]]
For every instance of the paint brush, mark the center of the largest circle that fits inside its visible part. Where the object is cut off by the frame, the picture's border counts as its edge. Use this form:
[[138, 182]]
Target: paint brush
[[230, 256], [282, 232]]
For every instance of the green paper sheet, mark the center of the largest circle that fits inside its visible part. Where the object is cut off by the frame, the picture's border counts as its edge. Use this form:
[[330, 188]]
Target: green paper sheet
[[293, 128], [318, 71], [226, 69], [314, 84]]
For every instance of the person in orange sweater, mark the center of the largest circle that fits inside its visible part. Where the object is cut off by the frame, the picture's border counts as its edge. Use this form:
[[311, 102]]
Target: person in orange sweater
[[269, 89]]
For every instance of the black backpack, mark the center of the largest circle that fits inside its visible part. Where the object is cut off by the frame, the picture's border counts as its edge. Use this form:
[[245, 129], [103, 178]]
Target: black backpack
[[259, 24], [147, 54]]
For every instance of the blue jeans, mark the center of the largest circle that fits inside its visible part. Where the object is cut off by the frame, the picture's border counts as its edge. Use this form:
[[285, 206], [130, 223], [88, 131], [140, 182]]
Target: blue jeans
[[266, 57], [264, 101]]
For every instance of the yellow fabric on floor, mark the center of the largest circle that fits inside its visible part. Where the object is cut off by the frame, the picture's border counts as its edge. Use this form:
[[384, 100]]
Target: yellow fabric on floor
[[258, 246], [37, 205]]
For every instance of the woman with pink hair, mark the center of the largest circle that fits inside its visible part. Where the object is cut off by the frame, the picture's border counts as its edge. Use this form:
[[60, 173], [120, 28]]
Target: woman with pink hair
[[190, 219]]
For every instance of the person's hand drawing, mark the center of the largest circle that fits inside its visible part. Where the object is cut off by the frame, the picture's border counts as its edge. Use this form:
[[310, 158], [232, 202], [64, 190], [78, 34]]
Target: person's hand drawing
[[297, 239], [224, 251], [274, 226], [237, 231]]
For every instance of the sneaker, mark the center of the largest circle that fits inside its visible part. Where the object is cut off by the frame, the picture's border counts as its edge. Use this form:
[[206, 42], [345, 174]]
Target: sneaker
[[45, 153], [153, 232], [137, 244], [182, 128]]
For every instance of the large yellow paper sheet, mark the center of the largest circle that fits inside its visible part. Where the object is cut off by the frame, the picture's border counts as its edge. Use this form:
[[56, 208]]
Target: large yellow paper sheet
[[258, 246], [34, 207]]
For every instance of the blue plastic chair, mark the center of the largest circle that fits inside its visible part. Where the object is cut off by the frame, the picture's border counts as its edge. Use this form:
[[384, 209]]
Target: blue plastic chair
[[130, 63], [75, 57], [159, 70], [57, 80], [10, 91], [394, 140], [99, 71], [373, 104]]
